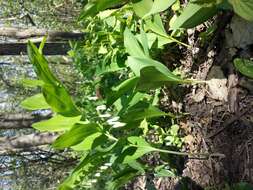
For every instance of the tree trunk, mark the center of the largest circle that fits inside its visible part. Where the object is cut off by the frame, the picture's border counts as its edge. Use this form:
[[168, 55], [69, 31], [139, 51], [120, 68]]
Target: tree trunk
[[26, 141], [20, 121], [57, 41], [50, 48], [23, 33]]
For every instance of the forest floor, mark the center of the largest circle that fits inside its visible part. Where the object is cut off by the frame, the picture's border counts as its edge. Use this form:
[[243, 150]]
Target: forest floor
[[220, 114]]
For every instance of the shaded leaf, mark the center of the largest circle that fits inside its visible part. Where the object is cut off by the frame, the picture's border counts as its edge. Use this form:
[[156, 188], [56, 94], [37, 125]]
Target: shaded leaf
[[123, 88], [141, 111], [152, 78], [244, 66], [76, 135]]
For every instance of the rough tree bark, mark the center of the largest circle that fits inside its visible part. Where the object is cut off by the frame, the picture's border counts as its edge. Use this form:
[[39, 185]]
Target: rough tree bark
[[26, 33], [56, 40], [26, 141], [20, 120]]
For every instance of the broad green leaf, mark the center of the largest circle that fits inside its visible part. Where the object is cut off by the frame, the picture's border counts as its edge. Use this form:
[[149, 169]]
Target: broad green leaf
[[76, 135], [35, 102], [125, 87], [132, 45], [137, 63], [159, 6], [87, 143], [155, 24], [41, 65], [243, 8], [144, 42], [152, 78], [142, 7], [152, 38], [193, 15], [136, 149], [94, 7], [54, 92], [59, 100], [141, 111], [244, 66], [56, 123], [32, 83]]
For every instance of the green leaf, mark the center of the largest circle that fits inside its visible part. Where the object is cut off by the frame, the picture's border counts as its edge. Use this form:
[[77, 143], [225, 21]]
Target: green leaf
[[142, 7], [87, 143], [76, 135], [156, 25], [132, 45], [122, 178], [57, 123], [54, 92], [41, 65], [152, 78], [32, 83], [35, 102], [193, 15], [137, 64], [59, 100], [243, 8], [160, 6], [137, 148], [244, 66], [123, 88], [141, 111], [94, 7], [161, 171], [79, 171]]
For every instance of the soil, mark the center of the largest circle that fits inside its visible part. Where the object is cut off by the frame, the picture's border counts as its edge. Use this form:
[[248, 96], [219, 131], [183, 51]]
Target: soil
[[220, 120]]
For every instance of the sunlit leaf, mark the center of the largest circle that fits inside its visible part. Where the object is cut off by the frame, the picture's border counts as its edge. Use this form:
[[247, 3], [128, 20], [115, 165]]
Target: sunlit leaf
[[159, 6], [94, 7], [142, 7], [56, 123], [32, 83], [131, 44], [35, 102], [54, 92], [193, 15], [243, 8], [137, 149]]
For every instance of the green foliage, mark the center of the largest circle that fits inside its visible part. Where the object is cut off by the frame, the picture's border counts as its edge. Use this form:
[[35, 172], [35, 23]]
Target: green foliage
[[243, 8], [54, 92], [244, 66], [193, 15], [198, 11], [35, 102], [56, 123]]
